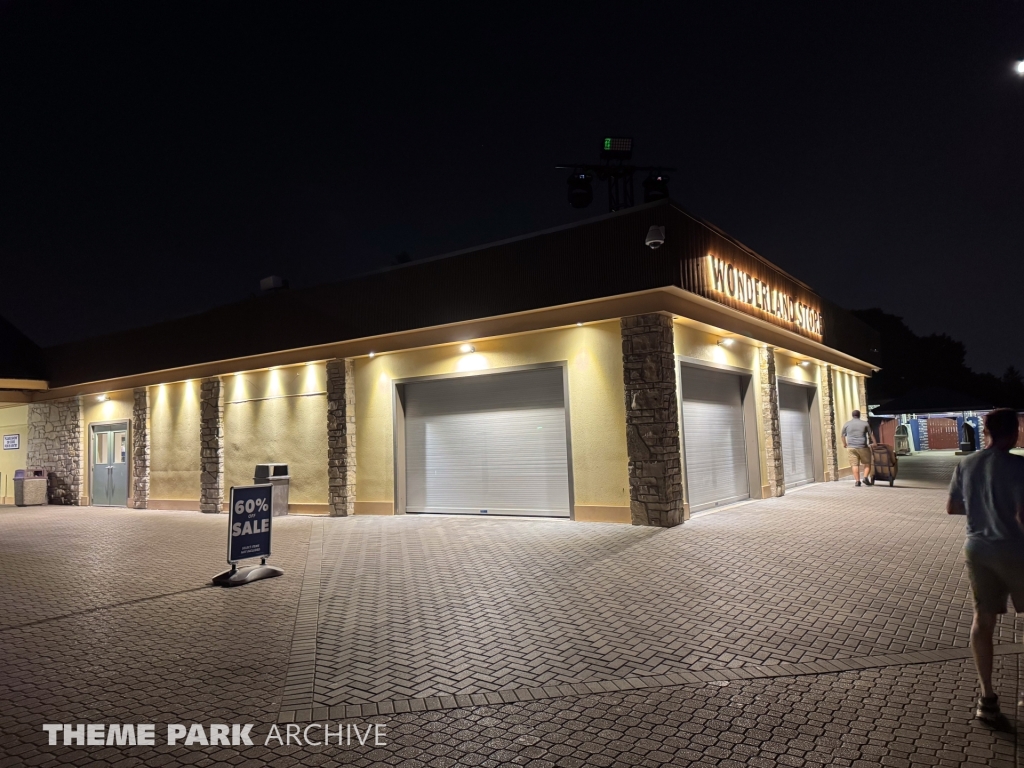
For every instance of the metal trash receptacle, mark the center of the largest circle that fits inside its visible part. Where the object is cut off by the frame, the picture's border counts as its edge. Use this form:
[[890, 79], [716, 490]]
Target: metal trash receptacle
[[30, 487], [277, 476]]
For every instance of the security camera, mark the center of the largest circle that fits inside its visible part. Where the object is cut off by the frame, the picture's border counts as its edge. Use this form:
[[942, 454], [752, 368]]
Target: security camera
[[655, 237]]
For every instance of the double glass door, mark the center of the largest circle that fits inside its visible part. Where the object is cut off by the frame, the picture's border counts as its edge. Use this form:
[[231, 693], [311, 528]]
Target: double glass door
[[109, 452]]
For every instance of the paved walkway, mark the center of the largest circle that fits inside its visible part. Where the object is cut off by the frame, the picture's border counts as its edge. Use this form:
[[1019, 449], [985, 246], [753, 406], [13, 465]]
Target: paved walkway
[[826, 627]]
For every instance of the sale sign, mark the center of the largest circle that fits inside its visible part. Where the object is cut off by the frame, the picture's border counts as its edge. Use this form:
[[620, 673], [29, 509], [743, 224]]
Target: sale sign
[[249, 529]]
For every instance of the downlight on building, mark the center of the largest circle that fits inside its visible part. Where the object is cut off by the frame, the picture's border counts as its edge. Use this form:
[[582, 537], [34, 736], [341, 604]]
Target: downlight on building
[[573, 373]]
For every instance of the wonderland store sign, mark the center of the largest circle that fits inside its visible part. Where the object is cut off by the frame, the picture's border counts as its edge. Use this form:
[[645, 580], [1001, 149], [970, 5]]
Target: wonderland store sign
[[732, 282]]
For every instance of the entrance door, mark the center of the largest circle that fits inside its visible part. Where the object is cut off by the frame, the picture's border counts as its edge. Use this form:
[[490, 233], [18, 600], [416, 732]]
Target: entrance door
[[109, 452], [490, 444], [943, 434], [795, 426], [714, 443]]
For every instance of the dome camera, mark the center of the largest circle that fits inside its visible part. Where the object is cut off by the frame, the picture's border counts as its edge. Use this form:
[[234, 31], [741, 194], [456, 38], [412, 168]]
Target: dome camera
[[655, 237]]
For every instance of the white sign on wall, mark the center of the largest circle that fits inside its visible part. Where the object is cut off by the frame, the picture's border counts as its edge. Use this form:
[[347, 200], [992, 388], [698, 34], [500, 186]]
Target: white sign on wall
[[12, 442]]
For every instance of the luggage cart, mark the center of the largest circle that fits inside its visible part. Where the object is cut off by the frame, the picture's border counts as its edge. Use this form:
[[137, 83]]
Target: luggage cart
[[885, 465]]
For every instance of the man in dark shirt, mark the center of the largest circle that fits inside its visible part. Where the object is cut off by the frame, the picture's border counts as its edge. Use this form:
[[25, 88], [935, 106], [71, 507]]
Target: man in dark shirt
[[988, 487]]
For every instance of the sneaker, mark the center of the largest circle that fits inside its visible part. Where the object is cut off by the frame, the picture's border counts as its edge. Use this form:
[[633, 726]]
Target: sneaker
[[857, 484], [868, 481], [987, 709]]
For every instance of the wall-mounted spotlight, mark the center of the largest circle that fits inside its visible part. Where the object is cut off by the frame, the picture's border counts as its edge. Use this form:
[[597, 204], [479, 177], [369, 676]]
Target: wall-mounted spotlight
[[467, 348], [805, 363], [103, 398], [725, 343], [579, 324], [372, 355]]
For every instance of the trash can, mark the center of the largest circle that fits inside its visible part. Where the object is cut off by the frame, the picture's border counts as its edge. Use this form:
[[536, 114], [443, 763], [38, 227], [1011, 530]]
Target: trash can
[[277, 476], [30, 487]]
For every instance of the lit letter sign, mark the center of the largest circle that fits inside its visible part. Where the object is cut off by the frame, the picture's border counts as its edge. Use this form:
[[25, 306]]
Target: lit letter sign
[[726, 280]]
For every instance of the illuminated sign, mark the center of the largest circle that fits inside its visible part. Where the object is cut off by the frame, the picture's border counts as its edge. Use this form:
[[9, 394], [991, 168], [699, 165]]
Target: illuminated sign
[[734, 283]]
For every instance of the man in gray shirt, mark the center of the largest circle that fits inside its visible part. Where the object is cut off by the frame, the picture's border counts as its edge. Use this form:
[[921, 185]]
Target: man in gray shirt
[[857, 441], [988, 487]]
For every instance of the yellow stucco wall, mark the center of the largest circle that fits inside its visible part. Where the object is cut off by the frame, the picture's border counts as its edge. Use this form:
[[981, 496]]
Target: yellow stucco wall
[[847, 389], [596, 406], [693, 342], [174, 469], [117, 407], [13, 421], [278, 415]]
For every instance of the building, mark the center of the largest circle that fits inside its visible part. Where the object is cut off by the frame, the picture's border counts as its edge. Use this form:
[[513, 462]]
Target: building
[[576, 372], [935, 419]]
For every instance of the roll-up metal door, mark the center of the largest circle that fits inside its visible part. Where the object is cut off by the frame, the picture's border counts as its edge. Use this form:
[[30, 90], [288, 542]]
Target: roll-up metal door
[[713, 437], [795, 425], [488, 444]]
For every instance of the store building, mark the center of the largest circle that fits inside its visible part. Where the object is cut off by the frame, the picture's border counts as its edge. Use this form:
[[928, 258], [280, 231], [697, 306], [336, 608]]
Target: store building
[[575, 373]]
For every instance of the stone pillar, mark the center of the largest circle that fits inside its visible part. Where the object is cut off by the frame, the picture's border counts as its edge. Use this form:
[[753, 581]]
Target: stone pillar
[[652, 421], [341, 437], [55, 444], [769, 404], [828, 420], [862, 389], [211, 441], [140, 448]]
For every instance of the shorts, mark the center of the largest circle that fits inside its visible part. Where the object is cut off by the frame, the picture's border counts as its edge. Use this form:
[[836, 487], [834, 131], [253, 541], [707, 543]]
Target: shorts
[[996, 573], [859, 456]]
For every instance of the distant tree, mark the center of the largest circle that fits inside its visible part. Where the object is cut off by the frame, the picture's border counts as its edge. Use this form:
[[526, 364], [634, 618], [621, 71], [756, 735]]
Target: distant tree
[[912, 362], [1013, 387]]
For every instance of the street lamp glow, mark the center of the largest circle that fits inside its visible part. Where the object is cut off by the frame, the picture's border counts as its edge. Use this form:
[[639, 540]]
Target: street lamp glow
[[1019, 67]]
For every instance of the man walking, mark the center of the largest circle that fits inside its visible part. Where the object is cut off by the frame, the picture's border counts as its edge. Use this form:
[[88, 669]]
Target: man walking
[[988, 486], [857, 440]]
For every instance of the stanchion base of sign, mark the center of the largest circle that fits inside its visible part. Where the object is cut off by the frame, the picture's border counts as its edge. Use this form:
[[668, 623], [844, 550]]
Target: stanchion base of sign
[[235, 578]]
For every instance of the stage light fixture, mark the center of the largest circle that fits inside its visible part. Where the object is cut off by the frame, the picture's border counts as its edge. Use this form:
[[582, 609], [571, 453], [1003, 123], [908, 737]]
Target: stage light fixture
[[581, 192], [655, 187]]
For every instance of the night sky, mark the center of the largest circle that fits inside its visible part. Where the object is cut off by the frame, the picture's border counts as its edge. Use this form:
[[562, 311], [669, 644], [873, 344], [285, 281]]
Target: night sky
[[160, 158]]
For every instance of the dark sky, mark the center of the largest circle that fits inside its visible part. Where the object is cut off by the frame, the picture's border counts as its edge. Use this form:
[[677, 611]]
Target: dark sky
[[160, 158]]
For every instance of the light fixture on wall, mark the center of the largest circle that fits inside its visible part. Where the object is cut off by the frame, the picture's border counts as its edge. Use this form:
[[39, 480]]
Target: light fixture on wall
[[372, 355], [103, 398], [725, 342], [579, 324], [805, 363], [467, 348]]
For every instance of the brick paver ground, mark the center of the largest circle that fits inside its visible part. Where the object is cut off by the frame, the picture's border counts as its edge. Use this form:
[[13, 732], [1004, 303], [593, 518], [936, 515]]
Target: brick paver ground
[[107, 617]]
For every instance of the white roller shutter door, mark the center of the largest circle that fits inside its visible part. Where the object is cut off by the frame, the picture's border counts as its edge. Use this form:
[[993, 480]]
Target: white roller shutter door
[[489, 443], [713, 438], [795, 425]]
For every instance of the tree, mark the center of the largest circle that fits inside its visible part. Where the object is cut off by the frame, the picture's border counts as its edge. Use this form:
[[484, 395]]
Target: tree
[[912, 362]]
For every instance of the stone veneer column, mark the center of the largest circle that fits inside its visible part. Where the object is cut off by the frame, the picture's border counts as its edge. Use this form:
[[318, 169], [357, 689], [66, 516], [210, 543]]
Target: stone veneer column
[[55, 444], [341, 437], [862, 389], [140, 448], [828, 416], [769, 404], [211, 441], [652, 421]]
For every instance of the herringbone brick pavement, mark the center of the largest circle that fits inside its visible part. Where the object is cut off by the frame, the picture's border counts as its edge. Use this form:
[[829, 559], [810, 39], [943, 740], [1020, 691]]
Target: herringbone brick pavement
[[107, 617], [901, 717], [424, 606]]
